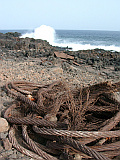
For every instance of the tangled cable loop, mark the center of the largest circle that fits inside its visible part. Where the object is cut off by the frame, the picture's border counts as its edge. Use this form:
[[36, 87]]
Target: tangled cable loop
[[57, 120]]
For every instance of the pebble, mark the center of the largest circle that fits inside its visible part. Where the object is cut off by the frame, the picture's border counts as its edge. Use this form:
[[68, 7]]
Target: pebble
[[4, 126]]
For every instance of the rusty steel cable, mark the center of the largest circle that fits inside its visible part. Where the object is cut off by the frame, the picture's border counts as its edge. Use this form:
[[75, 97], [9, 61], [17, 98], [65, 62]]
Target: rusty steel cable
[[77, 110], [77, 134], [34, 146], [76, 145], [80, 147], [19, 147], [30, 120], [111, 123], [107, 147]]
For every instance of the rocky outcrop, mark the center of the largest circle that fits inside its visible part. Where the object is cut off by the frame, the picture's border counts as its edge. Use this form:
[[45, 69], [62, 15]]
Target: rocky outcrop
[[11, 46]]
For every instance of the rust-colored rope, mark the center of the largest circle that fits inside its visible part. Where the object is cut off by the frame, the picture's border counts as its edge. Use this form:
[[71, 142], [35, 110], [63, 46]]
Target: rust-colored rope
[[19, 147], [111, 123], [102, 108], [34, 147], [80, 109], [107, 147], [18, 89], [77, 134], [80, 147], [22, 97], [32, 121]]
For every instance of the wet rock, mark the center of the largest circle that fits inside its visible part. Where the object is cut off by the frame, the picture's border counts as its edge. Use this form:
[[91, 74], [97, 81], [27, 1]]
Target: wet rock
[[3, 125]]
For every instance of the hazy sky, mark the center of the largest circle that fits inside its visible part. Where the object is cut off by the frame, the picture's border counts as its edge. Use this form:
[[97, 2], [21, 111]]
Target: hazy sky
[[60, 14]]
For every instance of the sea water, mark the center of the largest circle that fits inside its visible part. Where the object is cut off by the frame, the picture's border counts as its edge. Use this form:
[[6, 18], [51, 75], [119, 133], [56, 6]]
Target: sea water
[[75, 39]]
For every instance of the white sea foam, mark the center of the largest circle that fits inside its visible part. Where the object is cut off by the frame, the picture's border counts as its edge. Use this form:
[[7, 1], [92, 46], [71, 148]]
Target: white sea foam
[[76, 46], [48, 33]]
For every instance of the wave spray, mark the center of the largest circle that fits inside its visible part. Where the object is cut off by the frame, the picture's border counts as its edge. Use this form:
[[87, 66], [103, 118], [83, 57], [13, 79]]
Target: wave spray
[[43, 32], [48, 33]]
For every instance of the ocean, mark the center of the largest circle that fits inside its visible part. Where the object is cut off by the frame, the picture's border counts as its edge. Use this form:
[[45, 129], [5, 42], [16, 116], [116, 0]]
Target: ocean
[[75, 39]]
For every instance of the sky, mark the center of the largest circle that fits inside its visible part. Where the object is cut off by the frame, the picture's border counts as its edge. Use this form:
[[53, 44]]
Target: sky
[[60, 14]]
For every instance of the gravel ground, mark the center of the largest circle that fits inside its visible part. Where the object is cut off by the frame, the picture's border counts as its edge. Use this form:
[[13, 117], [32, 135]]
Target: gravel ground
[[43, 71]]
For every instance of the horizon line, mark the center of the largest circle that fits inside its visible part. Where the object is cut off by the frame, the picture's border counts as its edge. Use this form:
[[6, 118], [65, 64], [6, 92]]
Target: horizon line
[[62, 29]]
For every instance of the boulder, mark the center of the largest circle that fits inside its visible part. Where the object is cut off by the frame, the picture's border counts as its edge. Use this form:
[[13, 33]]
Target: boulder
[[63, 55]]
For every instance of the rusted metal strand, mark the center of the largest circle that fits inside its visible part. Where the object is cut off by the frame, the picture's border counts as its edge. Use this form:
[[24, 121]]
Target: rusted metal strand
[[111, 154], [107, 147], [56, 145], [26, 85], [19, 90], [57, 98], [111, 123], [32, 121], [19, 147], [96, 91], [111, 98], [76, 145], [102, 108], [9, 90], [34, 147], [77, 134], [51, 150], [31, 84], [35, 106], [22, 97], [22, 83]]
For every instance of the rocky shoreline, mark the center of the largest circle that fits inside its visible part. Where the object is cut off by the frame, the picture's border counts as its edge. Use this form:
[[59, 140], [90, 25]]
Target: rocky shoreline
[[37, 61]]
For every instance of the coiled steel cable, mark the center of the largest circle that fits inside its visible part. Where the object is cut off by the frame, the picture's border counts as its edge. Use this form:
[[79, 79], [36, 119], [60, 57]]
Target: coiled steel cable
[[33, 145], [62, 136], [32, 121], [80, 147], [75, 144], [19, 147]]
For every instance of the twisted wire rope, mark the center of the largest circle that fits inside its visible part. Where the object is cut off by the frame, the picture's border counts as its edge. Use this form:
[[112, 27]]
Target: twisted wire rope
[[77, 134], [34, 146], [80, 147], [19, 147], [30, 120], [62, 136], [76, 145]]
